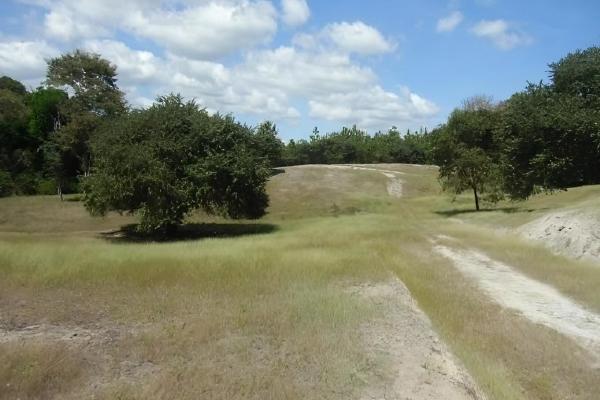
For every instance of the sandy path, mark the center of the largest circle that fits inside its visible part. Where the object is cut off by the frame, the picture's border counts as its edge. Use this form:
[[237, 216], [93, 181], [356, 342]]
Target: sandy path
[[536, 301], [420, 366], [394, 185]]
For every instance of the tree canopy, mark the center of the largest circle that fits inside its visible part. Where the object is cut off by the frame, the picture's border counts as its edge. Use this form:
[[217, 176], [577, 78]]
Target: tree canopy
[[167, 160]]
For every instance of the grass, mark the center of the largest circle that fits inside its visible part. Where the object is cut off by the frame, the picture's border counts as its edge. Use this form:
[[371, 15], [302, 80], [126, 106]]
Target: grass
[[259, 311]]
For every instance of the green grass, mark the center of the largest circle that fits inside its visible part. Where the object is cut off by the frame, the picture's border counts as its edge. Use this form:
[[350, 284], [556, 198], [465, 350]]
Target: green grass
[[265, 315]]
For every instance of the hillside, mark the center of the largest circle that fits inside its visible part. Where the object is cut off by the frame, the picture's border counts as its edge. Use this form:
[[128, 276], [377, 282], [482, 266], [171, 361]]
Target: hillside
[[363, 281]]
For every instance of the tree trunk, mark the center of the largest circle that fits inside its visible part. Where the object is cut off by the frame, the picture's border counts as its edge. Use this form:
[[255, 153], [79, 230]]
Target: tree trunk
[[476, 198]]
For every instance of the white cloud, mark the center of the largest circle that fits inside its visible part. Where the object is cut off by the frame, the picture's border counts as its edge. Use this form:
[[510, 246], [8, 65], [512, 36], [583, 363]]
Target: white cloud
[[295, 12], [316, 71], [210, 30], [450, 22], [345, 37], [25, 60], [357, 37], [500, 33], [372, 107], [202, 29]]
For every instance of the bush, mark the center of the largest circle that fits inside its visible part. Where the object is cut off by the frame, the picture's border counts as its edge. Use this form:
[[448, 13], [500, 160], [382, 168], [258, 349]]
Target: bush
[[6, 184], [46, 187], [25, 184]]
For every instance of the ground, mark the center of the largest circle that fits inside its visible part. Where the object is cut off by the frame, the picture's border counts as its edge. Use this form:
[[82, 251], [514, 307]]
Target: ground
[[362, 282]]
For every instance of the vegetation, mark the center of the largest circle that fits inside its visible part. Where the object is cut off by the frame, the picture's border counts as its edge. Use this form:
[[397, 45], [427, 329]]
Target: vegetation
[[352, 145], [182, 310], [544, 138], [172, 158]]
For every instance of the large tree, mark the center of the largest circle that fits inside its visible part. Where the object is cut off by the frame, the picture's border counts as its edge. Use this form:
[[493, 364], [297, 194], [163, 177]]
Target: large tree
[[91, 82], [551, 132], [169, 159], [467, 153]]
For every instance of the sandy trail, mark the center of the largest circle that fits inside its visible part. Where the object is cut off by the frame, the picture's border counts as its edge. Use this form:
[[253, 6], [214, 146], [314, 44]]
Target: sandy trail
[[394, 185], [420, 366], [536, 301]]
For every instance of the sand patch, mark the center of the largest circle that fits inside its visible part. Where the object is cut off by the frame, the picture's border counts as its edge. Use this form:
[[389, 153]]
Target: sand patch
[[419, 364], [394, 185], [534, 300], [573, 233]]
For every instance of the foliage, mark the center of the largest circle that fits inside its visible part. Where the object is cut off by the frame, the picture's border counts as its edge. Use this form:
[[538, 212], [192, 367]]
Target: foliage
[[45, 116], [551, 133], [92, 81], [172, 158], [12, 85], [352, 145], [467, 152], [267, 140], [6, 185]]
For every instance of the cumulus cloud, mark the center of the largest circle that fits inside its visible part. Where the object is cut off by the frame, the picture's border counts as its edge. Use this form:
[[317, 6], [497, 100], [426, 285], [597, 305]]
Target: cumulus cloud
[[372, 107], [295, 12], [358, 37], [317, 71], [500, 33], [346, 38], [25, 60], [450, 22], [198, 29], [209, 30]]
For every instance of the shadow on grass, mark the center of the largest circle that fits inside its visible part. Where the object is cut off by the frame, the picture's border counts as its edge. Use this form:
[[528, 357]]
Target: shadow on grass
[[506, 210], [129, 234], [277, 171]]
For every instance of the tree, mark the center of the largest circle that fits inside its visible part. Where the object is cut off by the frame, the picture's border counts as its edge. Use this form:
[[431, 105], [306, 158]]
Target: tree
[[92, 81], [172, 158], [467, 153], [45, 116], [551, 132], [12, 85], [268, 143]]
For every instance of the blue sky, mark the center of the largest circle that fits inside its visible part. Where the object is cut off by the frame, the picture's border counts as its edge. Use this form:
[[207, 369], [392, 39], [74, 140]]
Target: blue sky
[[306, 63]]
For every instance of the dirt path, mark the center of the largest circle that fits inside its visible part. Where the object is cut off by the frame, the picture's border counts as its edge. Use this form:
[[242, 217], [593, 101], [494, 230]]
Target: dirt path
[[394, 185], [536, 301], [419, 364]]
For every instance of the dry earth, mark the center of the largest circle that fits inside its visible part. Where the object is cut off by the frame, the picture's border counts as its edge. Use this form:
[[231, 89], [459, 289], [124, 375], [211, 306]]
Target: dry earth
[[573, 233], [534, 300], [420, 365], [394, 185]]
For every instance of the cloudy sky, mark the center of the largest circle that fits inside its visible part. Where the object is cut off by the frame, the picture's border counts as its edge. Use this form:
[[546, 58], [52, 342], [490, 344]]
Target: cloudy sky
[[306, 63]]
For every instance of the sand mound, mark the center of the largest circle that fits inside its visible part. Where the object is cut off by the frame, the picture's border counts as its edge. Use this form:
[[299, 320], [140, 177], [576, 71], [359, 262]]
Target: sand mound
[[572, 233]]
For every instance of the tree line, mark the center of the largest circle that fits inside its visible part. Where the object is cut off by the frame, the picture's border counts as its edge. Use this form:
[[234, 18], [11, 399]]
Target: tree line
[[544, 138]]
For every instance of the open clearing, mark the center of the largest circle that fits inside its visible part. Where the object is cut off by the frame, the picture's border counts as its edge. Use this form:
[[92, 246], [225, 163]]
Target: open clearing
[[338, 293]]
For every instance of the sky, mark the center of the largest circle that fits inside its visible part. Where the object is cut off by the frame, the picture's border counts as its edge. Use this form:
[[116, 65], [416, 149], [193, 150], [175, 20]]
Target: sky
[[306, 63]]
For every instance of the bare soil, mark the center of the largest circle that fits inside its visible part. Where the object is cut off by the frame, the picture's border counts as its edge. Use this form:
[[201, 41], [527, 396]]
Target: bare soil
[[536, 301], [419, 364]]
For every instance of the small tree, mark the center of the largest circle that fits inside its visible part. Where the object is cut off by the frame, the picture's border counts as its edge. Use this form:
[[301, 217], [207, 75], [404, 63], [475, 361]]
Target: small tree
[[467, 153], [172, 158], [268, 143]]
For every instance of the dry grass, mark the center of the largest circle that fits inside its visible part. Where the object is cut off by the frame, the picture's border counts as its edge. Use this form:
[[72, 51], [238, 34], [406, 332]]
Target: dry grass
[[264, 316]]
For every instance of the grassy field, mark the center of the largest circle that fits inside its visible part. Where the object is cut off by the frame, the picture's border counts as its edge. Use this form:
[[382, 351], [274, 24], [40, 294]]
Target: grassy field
[[261, 311]]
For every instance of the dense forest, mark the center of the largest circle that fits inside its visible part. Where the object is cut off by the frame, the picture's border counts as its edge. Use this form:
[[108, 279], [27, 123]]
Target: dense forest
[[77, 133]]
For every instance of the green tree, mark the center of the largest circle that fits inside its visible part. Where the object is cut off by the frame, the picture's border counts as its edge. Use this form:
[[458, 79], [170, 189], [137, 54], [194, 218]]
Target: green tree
[[268, 143], [12, 85], [466, 152], [95, 96], [551, 132], [172, 158]]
